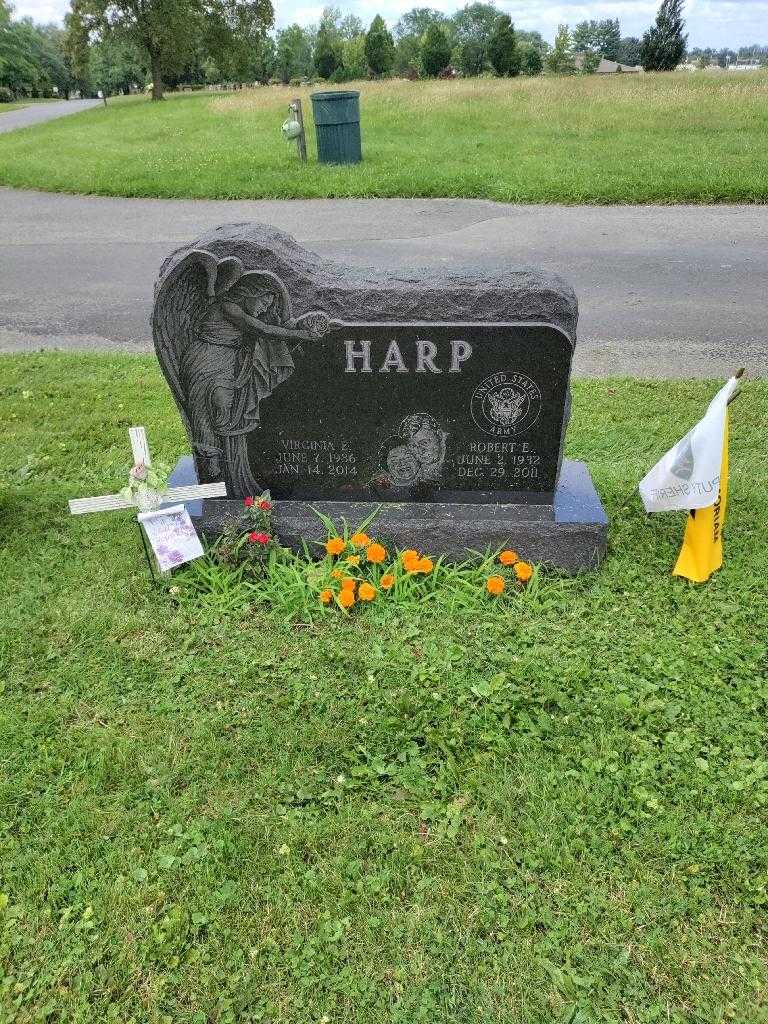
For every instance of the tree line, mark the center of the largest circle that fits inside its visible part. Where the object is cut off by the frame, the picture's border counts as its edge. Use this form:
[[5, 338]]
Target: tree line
[[114, 46]]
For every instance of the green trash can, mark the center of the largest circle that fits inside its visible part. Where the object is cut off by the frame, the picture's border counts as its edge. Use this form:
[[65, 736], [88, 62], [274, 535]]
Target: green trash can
[[337, 126]]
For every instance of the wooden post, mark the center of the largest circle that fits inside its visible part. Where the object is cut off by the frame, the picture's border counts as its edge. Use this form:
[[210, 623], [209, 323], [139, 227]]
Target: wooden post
[[301, 141]]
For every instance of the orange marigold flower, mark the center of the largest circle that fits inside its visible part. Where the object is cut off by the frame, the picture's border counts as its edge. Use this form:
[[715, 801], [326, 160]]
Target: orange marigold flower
[[387, 581], [424, 565], [335, 545], [359, 540], [366, 592], [523, 571], [353, 559], [348, 583], [495, 585], [376, 553], [346, 598], [411, 560], [326, 596], [509, 557]]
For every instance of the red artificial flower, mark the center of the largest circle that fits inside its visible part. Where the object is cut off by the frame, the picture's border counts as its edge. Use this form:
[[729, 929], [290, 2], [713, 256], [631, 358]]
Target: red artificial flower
[[265, 505], [248, 502], [258, 538]]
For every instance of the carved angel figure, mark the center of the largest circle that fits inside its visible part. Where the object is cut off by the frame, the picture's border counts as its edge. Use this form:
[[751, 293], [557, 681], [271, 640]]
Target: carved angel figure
[[223, 336]]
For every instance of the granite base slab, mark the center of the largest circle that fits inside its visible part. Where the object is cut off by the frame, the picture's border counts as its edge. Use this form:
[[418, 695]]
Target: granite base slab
[[570, 534]]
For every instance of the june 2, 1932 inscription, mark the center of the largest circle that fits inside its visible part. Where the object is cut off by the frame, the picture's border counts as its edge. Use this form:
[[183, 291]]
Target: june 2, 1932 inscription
[[434, 400], [417, 412], [313, 407]]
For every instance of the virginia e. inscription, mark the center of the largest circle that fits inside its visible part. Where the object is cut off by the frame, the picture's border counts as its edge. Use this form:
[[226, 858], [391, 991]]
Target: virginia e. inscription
[[314, 407]]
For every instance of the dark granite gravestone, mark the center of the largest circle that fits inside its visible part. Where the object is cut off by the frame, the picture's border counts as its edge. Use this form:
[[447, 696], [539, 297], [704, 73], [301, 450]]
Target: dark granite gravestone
[[441, 399]]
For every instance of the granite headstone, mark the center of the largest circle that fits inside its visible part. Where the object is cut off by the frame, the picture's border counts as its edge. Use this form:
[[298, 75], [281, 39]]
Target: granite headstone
[[441, 399]]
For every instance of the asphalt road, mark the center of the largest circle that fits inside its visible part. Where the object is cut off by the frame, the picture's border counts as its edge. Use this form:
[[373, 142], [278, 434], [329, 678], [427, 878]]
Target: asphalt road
[[36, 113], [664, 291]]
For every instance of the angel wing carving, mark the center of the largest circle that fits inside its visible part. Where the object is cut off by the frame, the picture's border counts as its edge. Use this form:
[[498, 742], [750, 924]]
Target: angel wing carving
[[223, 338]]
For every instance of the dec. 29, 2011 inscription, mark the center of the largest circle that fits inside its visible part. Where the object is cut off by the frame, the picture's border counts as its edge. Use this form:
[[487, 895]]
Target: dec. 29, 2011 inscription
[[313, 406], [434, 399], [417, 412]]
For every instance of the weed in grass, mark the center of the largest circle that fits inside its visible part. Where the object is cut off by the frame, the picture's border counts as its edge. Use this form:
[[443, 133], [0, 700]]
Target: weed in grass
[[552, 809]]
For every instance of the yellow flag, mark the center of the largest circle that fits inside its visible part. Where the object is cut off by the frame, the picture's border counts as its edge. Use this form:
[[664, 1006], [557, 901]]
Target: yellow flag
[[702, 550]]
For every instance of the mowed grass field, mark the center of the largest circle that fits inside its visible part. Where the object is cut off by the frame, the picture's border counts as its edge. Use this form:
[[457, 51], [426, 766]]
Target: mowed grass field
[[672, 138], [549, 811]]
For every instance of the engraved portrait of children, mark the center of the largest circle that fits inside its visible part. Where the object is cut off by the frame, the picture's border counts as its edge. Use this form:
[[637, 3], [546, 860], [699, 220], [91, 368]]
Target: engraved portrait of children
[[419, 456]]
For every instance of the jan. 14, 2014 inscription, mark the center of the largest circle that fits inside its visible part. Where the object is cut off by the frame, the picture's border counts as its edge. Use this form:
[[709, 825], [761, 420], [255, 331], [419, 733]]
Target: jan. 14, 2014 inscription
[[312, 407], [434, 400]]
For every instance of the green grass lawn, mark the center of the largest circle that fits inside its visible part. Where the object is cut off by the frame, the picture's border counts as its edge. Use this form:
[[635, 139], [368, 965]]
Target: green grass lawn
[[672, 138], [553, 810]]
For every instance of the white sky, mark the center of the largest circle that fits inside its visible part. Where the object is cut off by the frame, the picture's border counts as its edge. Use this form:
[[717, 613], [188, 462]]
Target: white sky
[[714, 23]]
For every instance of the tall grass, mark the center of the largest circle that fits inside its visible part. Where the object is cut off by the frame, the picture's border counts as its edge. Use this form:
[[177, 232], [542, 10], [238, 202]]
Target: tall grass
[[668, 138]]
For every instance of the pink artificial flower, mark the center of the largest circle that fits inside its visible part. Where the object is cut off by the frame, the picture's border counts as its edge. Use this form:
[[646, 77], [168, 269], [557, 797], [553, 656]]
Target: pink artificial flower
[[139, 471], [258, 538], [265, 505], [248, 502]]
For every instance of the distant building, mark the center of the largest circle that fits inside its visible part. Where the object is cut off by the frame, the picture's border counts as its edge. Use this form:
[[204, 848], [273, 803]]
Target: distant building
[[608, 67]]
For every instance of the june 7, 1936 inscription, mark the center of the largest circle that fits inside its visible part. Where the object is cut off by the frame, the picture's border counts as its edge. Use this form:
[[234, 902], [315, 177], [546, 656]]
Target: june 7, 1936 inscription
[[420, 412]]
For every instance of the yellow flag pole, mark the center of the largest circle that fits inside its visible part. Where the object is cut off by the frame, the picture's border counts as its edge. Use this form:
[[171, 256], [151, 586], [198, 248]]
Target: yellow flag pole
[[702, 550]]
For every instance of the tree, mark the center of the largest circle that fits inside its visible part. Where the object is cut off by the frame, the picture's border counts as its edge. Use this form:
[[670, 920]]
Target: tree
[[328, 43], [534, 38], [169, 33], [19, 72], [590, 62], [629, 51], [379, 47], [115, 66], [32, 58], [353, 58], [351, 27], [408, 56], [602, 37], [663, 45], [265, 60], [293, 54], [470, 57], [53, 59], [475, 22], [414, 23], [327, 54], [76, 50], [435, 51], [560, 58], [502, 48], [531, 62]]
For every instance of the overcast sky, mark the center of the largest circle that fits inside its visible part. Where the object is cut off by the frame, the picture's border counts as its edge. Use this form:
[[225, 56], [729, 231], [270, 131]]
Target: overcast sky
[[714, 23]]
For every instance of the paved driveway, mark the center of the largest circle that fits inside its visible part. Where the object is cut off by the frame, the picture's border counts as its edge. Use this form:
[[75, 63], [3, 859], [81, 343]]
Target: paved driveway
[[36, 113], [664, 291]]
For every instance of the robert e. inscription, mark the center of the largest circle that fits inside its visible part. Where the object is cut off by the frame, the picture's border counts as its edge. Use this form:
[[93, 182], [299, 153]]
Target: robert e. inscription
[[423, 412]]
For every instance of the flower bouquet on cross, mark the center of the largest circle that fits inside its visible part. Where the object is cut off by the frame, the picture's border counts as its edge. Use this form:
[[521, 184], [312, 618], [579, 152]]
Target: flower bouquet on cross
[[147, 485]]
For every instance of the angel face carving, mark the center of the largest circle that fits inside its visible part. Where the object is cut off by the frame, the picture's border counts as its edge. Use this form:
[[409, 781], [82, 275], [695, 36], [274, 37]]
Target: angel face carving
[[226, 340]]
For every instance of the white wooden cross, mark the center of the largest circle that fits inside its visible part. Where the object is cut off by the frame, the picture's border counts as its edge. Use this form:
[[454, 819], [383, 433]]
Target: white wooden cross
[[140, 449]]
